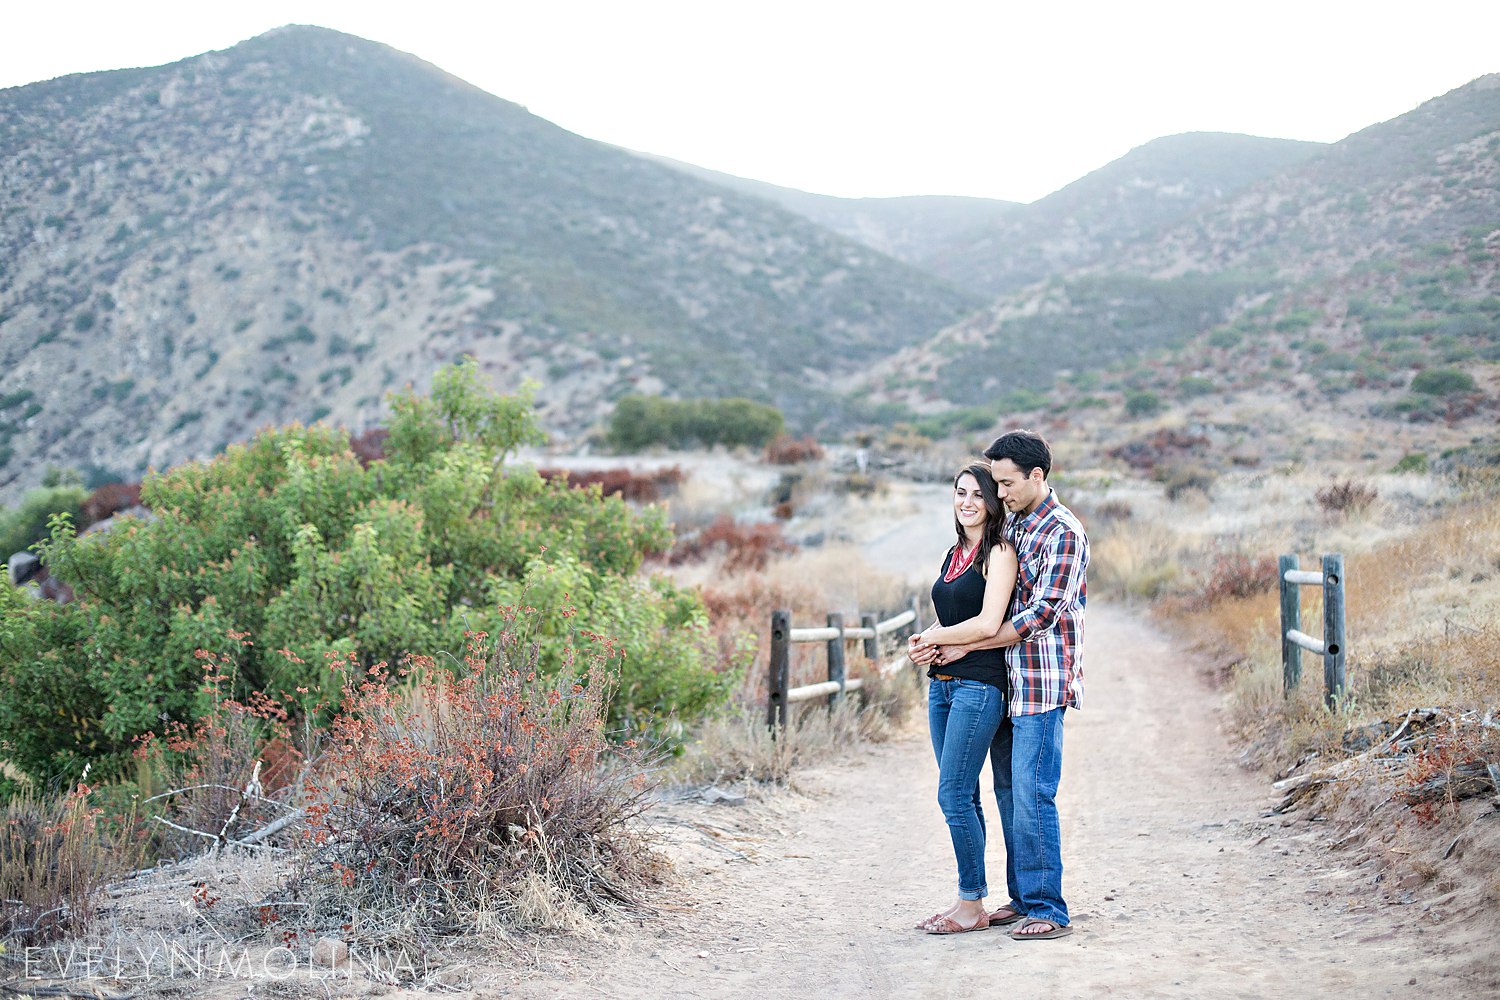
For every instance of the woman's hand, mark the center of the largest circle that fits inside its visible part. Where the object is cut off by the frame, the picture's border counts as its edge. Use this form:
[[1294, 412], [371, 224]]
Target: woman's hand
[[920, 651]]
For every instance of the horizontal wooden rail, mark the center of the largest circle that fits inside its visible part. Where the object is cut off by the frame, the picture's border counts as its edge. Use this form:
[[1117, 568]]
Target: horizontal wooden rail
[[828, 634], [834, 635], [1303, 577], [807, 692], [1306, 641]]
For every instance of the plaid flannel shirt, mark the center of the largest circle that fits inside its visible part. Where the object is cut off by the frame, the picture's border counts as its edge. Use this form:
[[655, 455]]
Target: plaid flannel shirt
[[1046, 666]]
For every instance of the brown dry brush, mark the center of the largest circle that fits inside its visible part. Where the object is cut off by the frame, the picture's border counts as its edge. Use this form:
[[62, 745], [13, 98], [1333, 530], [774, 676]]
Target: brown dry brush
[[639, 487], [1432, 758], [55, 857], [446, 797], [1347, 497], [742, 547], [234, 777], [787, 450], [1236, 575]]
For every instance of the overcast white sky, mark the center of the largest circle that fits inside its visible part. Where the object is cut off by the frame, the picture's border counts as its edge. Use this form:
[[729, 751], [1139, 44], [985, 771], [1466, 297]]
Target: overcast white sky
[[872, 98]]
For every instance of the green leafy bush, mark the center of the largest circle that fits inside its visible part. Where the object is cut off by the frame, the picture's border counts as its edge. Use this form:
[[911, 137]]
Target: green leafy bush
[[1143, 403], [1195, 385], [1442, 382], [645, 421], [288, 551], [27, 524]]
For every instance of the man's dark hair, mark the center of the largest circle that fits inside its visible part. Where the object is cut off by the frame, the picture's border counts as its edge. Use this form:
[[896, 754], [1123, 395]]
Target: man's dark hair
[[1027, 449]]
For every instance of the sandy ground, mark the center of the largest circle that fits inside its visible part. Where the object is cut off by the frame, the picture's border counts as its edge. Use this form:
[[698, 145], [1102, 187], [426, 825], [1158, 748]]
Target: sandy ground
[[1179, 884]]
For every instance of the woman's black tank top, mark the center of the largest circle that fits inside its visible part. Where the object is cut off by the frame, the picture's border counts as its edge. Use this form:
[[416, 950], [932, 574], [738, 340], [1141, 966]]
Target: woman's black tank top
[[959, 601]]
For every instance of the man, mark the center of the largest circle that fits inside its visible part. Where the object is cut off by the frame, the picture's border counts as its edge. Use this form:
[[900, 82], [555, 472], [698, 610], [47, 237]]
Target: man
[[1043, 642]]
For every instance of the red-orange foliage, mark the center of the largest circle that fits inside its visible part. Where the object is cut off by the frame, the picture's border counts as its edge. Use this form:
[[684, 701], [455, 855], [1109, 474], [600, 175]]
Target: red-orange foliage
[[641, 487], [231, 772], [446, 790], [1162, 448], [744, 547], [53, 864], [108, 500], [369, 446], [1237, 575], [787, 450]]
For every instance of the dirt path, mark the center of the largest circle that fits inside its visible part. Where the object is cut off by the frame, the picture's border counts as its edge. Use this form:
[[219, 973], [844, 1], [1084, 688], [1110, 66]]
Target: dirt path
[[1179, 887]]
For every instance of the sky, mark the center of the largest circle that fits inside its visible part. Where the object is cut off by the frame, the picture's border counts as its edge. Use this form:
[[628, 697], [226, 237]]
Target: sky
[[1004, 99]]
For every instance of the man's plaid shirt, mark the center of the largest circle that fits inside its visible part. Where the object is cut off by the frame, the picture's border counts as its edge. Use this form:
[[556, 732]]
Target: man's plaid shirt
[[1046, 666]]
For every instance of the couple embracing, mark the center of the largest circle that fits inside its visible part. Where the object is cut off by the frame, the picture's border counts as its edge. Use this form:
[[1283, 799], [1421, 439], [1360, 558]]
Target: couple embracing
[[1005, 662]]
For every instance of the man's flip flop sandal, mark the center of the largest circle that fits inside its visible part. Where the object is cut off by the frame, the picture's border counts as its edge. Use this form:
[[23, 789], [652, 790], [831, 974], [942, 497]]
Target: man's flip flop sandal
[[1054, 930], [1005, 915]]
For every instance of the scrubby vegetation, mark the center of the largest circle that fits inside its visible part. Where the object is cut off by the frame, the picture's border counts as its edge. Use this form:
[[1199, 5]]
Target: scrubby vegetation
[[640, 422], [294, 543]]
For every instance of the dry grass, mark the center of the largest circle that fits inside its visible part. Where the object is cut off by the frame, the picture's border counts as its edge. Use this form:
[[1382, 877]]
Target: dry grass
[[738, 745], [55, 858], [1422, 600]]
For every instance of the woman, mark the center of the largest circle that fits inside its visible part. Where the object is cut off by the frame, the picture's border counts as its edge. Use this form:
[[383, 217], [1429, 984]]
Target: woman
[[966, 700]]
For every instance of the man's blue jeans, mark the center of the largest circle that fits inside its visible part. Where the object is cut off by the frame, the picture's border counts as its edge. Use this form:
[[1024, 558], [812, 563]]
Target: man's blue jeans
[[1026, 757], [963, 716]]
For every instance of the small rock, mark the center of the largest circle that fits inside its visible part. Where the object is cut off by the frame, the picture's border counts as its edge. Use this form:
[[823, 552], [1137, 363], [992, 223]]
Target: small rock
[[23, 566], [717, 796]]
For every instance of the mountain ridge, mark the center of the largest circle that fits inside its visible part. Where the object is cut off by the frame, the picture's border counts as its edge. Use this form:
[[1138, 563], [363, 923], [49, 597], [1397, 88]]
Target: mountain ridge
[[295, 225]]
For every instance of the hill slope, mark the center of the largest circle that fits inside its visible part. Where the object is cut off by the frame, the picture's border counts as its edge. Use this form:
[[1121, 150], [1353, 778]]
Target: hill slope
[[291, 227], [1328, 288]]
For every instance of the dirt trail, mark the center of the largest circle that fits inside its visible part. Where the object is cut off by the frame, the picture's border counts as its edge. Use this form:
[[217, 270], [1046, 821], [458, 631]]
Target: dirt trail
[[1178, 885]]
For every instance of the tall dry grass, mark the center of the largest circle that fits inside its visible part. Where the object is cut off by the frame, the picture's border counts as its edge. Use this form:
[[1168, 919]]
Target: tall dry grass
[[738, 745], [1422, 575], [55, 858]]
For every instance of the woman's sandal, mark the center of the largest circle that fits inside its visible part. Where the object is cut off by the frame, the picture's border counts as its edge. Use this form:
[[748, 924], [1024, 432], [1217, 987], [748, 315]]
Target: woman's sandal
[[947, 925]]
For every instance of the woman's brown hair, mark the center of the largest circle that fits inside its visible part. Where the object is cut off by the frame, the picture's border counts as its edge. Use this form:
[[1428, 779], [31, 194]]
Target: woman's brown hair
[[994, 521]]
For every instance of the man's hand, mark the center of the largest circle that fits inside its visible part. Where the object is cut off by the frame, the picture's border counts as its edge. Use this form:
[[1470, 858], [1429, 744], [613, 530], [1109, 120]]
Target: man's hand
[[950, 654]]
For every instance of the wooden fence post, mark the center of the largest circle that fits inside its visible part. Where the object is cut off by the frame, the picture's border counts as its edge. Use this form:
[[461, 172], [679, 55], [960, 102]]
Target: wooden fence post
[[836, 670], [1333, 630], [1291, 620], [781, 648], [872, 644]]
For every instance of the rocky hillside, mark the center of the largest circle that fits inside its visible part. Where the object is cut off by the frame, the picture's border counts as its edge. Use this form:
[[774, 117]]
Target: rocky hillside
[[1126, 203], [294, 226], [1360, 285], [919, 229], [991, 247]]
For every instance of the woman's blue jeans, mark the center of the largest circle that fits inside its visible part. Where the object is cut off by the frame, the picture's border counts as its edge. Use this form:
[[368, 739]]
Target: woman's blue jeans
[[963, 716], [1026, 759]]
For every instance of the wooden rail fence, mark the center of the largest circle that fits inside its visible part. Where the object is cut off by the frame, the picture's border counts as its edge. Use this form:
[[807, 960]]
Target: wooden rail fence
[[1293, 641], [834, 634]]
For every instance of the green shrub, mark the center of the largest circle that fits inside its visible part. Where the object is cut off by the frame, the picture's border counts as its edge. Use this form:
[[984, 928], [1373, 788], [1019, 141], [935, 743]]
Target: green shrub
[[1414, 461], [27, 524], [1296, 320], [283, 552], [1195, 385], [1225, 336], [640, 422], [1142, 404], [1442, 382]]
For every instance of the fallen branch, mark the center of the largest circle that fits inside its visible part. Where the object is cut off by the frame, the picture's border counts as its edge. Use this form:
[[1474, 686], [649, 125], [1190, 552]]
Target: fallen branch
[[1466, 780]]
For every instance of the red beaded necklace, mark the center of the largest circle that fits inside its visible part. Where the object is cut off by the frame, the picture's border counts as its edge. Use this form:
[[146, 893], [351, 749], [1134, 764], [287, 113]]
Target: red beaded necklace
[[960, 562]]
